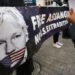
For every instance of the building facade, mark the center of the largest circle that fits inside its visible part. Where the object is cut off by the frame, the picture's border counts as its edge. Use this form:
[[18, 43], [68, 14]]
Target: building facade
[[45, 3], [50, 3]]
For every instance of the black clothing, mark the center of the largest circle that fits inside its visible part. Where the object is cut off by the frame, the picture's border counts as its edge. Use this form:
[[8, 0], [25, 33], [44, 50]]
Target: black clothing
[[55, 37], [26, 68], [12, 3], [16, 3], [66, 34], [72, 33], [4, 71]]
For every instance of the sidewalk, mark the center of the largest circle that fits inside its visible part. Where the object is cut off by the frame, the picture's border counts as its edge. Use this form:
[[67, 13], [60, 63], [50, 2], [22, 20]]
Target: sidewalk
[[56, 61]]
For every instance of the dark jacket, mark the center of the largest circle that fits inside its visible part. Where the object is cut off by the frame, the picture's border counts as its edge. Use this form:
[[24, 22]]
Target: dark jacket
[[12, 3]]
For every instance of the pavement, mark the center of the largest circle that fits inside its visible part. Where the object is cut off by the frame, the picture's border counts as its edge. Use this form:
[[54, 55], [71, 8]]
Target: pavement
[[53, 61]]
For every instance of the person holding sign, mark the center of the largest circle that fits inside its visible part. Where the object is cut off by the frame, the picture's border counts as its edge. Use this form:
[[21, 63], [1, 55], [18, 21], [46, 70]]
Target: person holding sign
[[71, 19], [71, 12]]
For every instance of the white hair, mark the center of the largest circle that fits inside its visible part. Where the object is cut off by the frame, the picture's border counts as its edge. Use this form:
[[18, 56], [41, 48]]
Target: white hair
[[12, 15]]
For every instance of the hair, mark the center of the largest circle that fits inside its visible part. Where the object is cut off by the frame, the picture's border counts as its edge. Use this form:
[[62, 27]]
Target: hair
[[12, 15]]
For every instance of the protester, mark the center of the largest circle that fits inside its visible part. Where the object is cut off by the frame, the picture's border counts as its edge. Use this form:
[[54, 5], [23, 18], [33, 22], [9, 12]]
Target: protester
[[56, 42], [71, 19], [66, 34]]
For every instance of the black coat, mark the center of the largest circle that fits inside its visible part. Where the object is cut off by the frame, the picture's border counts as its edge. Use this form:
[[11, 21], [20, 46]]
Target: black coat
[[12, 3]]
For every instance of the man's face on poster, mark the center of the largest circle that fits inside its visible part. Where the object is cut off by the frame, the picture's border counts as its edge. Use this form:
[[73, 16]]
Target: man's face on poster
[[12, 44]]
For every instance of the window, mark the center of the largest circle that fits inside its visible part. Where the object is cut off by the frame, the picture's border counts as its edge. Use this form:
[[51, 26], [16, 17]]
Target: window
[[48, 2]]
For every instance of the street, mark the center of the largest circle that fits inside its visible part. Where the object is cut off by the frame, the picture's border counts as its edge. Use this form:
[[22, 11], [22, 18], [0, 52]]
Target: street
[[55, 61]]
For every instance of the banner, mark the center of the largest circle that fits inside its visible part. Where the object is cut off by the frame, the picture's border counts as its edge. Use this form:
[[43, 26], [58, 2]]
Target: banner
[[24, 29], [44, 22]]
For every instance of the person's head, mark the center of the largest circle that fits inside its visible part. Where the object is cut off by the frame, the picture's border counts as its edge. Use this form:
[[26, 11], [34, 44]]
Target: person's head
[[12, 36]]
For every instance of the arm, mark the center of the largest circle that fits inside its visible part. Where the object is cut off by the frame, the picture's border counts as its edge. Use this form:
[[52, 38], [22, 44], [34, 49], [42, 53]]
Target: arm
[[71, 16]]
